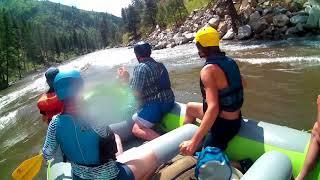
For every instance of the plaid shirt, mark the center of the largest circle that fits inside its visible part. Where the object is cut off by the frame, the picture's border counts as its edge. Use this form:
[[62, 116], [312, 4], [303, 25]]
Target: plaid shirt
[[145, 81]]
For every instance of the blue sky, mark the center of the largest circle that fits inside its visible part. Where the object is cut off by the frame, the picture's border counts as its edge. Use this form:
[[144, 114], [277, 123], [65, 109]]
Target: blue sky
[[110, 6]]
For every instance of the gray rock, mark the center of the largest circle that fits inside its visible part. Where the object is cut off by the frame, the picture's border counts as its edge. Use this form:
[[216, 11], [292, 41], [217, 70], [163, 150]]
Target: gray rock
[[189, 36], [229, 35], [280, 20], [314, 17], [244, 32], [267, 3], [214, 22], [294, 30], [259, 25], [266, 11], [314, 2], [180, 39], [171, 45], [279, 10], [299, 19], [254, 16], [161, 45], [223, 28]]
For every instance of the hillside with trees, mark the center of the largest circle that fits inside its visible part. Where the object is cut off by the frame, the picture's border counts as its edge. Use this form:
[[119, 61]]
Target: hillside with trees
[[34, 34], [142, 16]]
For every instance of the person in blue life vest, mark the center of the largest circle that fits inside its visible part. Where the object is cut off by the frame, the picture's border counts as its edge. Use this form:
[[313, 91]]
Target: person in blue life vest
[[152, 88], [90, 149], [314, 148], [222, 92]]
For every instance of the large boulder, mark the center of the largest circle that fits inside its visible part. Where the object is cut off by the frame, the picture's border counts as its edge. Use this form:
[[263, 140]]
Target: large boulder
[[294, 30], [254, 16], [214, 22], [189, 36], [229, 35], [266, 11], [280, 20], [161, 45], [244, 32], [269, 18], [268, 33], [222, 28], [299, 19], [180, 39], [314, 17], [259, 25]]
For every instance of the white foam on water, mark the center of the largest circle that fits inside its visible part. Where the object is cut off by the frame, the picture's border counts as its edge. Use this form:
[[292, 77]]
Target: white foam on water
[[8, 118], [280, 59], [109, 57], [239, 47]]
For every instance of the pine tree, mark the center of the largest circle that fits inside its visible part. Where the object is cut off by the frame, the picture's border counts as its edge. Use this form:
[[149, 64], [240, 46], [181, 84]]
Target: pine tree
[[104, 30], [150, 13], [133, 21]]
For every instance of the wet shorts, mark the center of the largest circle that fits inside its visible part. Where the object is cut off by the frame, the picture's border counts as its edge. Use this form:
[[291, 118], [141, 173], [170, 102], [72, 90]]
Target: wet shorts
[[222, 132], [125, 172], [152, 113]]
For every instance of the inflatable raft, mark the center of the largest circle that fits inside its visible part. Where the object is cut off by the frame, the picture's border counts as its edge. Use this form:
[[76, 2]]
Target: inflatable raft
[[278, 151], [257, 138]]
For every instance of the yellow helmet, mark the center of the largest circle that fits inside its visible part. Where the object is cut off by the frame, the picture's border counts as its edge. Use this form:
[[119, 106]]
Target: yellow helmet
[[207, 36]]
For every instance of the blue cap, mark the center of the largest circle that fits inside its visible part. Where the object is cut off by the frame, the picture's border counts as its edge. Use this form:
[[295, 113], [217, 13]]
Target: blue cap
[[67, 84], [50, 74], [142, 49]]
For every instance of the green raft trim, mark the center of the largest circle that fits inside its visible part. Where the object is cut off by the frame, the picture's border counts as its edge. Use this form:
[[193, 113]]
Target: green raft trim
[[49, 170], [250, 148]]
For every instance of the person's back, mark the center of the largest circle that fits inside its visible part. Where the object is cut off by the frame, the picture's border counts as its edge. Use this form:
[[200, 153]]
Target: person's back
[[222, 96], [90, 150], [81, 144], [152, 90]]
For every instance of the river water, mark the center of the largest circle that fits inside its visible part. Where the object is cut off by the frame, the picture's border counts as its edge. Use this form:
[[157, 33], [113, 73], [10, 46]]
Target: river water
[[283, 82]]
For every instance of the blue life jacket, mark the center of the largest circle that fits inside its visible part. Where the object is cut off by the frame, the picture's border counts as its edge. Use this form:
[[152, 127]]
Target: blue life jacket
[[230, 98], [212, 154], [82, 145]]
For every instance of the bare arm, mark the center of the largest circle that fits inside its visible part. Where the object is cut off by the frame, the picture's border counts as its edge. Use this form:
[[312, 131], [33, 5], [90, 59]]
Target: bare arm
[[119, 144], [213, 104], [209, 81]]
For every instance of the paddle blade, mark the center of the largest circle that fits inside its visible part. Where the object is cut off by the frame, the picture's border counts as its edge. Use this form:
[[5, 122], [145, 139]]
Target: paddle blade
[[28, 169]]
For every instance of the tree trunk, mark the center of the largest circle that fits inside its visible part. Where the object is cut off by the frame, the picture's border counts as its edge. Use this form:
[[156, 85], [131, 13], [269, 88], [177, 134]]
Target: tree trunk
[[228, 6]]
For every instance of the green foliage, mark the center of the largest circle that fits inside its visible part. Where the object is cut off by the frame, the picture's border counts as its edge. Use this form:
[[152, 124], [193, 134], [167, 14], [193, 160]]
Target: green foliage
[[38, 33], [196, 4], [126, 38], [142, 16]]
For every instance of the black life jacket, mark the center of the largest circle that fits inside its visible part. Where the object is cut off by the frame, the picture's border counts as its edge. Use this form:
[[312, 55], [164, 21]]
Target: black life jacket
[[230, 98]]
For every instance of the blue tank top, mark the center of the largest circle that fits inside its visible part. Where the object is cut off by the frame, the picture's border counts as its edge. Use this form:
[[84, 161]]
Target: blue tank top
[[230, 98], [81, 144]]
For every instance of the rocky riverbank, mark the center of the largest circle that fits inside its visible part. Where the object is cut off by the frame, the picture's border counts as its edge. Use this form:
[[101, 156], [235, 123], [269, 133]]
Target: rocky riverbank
[[258, 19]]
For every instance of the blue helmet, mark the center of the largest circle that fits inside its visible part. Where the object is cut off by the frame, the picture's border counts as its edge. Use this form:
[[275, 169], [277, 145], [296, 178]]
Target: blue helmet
[[142, 49], [68, 84], [50, 74]]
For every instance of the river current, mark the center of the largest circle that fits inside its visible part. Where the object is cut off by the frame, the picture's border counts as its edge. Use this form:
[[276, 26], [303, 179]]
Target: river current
[[283, 83]]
